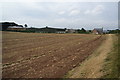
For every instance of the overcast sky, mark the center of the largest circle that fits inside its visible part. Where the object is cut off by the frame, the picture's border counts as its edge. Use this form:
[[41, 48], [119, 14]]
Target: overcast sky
[[76, 15]]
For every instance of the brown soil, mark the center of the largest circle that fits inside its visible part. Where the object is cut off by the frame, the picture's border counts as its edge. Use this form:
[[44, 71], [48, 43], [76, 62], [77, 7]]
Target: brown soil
[[92, 67], [35, 55]]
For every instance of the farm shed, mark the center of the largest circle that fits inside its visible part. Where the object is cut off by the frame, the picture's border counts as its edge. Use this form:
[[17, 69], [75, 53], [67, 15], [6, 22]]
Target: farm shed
[[16, 28], [5, 25], [31, 29], [71, 31], [97, 31], [51, 30]]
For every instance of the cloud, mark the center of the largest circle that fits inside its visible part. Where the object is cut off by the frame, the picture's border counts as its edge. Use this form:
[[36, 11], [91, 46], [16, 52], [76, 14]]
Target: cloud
[[98, 9], [61, 12], [87, 12], [59, 0], [69, 15], [95, 11], [61, 20], [74, 12]]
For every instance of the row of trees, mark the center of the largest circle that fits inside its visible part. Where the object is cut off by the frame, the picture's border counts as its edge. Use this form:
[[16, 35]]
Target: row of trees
[[89, 31], [82, 30], [5, 25], [114, 31]]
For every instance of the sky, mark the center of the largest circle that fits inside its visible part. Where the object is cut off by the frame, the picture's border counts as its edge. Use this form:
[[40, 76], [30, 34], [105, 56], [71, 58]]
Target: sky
[[72, 15]]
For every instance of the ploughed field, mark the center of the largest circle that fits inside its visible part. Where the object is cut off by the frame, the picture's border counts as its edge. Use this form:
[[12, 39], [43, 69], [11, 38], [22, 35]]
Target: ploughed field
[[37, 55]]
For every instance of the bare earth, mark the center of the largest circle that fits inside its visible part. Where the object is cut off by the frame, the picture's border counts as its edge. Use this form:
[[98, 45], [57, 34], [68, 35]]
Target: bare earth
[[91, 67], [35, 55]]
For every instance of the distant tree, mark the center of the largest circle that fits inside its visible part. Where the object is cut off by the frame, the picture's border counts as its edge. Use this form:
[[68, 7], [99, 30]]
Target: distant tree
[[26, 26], [78, 30], [65, 28], [114, 31], [90, 30], [83, 30], [32, 27]]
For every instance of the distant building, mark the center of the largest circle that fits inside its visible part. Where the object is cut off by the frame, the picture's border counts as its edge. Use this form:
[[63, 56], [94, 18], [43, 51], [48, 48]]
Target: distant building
[[16, 28], [71, 31], [51, 30], [5, 25], [97, 31], [32, 29], [106, 31]]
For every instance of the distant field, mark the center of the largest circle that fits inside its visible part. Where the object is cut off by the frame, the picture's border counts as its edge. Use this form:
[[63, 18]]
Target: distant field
[[36, 55]]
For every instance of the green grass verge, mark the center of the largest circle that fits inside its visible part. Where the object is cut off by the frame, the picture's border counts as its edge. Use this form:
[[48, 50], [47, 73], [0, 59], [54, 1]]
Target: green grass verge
[[119, 55], [111, 68]]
